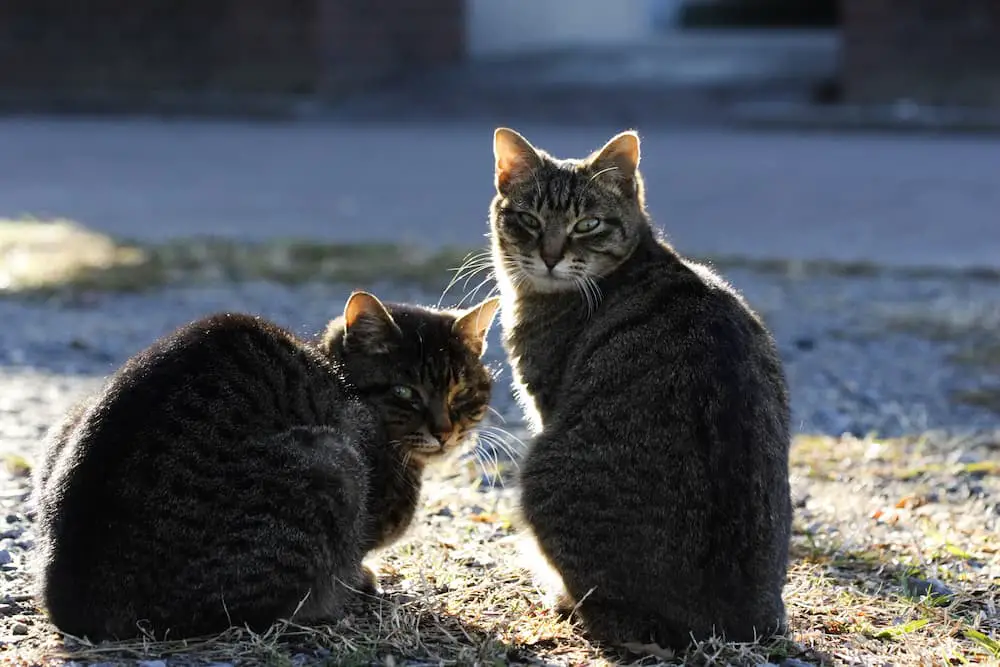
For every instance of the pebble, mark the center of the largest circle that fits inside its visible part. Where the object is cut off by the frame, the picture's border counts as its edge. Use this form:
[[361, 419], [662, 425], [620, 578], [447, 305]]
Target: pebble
[[917, 587], [12, 533], [5, 557], [19, 629], [793, 662], [152, 663], [867, 379]]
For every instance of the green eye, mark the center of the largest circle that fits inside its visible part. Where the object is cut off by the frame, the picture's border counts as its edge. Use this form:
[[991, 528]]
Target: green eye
[[586, 226], [403, 392]]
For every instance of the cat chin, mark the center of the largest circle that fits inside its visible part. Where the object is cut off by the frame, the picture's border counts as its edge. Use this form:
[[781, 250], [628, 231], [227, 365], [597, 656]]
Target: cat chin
[[436, 453], [547, 285]]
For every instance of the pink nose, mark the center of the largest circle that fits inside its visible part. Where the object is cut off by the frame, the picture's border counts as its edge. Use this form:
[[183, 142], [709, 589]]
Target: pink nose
[[550, 260]]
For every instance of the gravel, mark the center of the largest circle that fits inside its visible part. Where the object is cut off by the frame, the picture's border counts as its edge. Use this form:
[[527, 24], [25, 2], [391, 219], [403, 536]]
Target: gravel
[[863, 354]]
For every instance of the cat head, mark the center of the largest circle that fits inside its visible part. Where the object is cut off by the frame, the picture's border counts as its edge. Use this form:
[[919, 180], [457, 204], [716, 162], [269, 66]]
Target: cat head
[[559, 224], [420, 367]]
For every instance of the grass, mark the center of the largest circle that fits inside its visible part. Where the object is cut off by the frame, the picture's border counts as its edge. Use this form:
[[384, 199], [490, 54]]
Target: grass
[[41, 257], [886, 568], [973, 331]]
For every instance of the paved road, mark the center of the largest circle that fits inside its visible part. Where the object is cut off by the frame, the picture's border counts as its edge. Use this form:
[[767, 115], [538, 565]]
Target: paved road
[[899, 199]]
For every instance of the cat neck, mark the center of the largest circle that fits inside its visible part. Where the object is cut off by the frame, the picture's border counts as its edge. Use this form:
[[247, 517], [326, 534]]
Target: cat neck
[[394, 483]]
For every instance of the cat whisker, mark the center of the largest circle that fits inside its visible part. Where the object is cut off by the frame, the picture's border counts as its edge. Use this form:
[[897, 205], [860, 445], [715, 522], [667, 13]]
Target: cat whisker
[[507, 441], [472, 264], [590, 292], [478, 287], [495, 460], [478, 454], [584, 295], [595, 291], [496, 412], [498, 442]]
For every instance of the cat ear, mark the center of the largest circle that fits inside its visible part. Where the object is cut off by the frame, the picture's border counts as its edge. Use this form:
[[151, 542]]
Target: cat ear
[[368, 326], [515, 158], [474, 324], [619, 157]]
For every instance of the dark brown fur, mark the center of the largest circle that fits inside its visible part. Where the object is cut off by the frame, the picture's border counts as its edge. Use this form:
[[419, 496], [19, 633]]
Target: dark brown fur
[[231, 472], [656, 485]]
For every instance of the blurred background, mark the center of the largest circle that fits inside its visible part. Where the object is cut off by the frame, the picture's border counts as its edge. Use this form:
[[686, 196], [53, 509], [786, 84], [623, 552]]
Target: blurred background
[[353, 120]]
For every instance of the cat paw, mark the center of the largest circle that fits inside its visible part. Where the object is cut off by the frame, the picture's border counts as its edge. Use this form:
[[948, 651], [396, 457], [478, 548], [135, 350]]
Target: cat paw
[[564, 604], [369, 582]]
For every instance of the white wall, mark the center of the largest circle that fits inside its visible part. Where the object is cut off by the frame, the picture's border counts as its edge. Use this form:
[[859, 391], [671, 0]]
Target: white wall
[[503, 27]]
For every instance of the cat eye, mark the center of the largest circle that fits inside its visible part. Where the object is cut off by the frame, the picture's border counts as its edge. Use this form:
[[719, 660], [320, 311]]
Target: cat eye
[[587, 225], [401, 391]]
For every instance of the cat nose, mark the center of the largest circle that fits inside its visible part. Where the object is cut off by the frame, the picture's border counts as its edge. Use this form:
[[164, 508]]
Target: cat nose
[[552, 248], [550, 259], [441, 427]]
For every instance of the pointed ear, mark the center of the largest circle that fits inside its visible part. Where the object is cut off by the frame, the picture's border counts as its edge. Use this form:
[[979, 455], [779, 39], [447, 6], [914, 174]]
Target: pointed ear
[[368, 326], [515, 158], [474, 324], [620, 156]]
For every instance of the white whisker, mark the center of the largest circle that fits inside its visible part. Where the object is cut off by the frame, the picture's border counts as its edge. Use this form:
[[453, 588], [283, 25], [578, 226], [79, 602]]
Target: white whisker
[[476, 289], [472, 264]]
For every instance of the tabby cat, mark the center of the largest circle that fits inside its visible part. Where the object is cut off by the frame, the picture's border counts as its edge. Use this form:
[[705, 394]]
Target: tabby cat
[[232, 474], [656, 484]]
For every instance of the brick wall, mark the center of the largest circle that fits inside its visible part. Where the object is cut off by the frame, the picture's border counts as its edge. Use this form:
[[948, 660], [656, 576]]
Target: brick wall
[[136, 48], [940, 52]]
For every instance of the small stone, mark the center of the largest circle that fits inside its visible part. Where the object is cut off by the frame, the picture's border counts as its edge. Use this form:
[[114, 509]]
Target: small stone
[[968, 456], [5, 557], [12, 533], [152, 663], [805, 344], [19, 629], [917, 587], [794, 662]]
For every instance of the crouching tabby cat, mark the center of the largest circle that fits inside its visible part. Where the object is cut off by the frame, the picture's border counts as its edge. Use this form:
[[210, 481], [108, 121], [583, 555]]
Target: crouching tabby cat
[[231, 472], [656, 485]]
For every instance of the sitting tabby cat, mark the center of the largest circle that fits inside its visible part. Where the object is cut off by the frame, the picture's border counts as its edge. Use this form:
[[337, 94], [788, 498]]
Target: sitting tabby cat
[[230, 471], [656, 485]]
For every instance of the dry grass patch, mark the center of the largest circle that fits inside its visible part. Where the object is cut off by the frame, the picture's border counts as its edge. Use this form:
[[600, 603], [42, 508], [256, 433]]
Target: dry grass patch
[[895, 560], [40, 256], [43, 257], [46, 256], [897, 544], [973, 331]]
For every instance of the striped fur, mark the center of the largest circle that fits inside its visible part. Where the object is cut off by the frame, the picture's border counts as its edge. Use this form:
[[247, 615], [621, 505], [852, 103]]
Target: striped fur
[[231, 472], [656, 485]]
